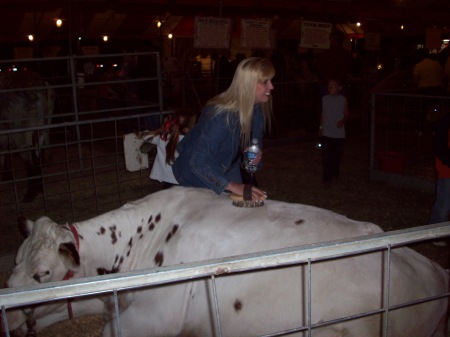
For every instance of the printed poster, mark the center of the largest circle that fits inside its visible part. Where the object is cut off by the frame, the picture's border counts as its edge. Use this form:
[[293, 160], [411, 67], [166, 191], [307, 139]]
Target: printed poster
[[212, 33], [256, 34], [315, 34]]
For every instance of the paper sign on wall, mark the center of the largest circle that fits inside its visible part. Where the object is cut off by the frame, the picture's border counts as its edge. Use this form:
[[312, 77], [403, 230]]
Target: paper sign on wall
[[315, 34], [255, 34], [212, 33]]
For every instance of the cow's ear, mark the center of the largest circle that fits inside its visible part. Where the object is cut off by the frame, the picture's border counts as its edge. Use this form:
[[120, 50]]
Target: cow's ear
[[70, 252], [25, 226]]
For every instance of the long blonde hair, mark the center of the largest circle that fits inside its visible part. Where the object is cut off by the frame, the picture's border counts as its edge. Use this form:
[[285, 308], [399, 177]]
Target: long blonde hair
[[240, 95]]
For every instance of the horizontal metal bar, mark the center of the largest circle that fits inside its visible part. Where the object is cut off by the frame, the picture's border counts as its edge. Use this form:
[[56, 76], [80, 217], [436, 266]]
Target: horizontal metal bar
[[14, 297]]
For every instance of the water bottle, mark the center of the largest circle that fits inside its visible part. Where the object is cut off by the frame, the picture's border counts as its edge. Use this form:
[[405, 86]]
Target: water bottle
[[250, 155]]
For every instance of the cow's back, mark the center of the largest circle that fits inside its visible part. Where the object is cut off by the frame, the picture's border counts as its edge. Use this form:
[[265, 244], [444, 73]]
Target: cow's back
[[183, 225], [209, 226]]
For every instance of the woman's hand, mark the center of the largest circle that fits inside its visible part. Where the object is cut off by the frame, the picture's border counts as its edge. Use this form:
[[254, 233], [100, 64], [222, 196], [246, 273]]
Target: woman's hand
[[257, 159], [238, 189]]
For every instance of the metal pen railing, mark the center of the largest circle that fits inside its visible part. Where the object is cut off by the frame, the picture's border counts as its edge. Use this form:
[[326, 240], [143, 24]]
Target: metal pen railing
[[307, 254]]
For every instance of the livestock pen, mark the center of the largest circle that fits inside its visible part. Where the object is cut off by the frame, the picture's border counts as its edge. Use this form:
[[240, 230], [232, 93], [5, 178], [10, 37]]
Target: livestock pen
[[305, 256], [85, 173]]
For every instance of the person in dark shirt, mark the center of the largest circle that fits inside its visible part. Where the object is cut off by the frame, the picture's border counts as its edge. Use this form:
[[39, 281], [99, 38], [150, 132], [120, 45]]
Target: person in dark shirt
[[210, 154]]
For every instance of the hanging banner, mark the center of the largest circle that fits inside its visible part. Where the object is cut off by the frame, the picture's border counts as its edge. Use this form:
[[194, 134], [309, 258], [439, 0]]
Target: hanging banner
[[255, 34], [212, 33], [315, 34]]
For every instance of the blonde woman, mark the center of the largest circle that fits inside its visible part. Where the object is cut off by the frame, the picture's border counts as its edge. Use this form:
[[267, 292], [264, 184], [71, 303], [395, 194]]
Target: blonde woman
[[210, 154]]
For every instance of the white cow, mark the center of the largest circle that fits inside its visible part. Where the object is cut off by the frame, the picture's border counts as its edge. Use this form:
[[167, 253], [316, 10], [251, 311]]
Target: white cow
[[183, 225]]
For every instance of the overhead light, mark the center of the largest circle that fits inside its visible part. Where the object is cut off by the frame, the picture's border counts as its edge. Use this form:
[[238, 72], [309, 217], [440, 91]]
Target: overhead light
[[31, 37], [105, 38], [170, 36], [58, 22], [358, 24], [158, 24]]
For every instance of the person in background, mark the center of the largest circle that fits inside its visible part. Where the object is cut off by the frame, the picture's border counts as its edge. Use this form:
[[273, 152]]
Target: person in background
[[440, 211], [210, 154], [166, 139], [332, 129]]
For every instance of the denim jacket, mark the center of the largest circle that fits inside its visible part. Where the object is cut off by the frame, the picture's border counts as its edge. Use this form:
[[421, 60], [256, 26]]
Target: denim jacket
[[210, 154]]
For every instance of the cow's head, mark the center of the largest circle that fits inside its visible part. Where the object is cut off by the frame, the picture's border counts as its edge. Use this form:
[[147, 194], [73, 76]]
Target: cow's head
[[48, 253]]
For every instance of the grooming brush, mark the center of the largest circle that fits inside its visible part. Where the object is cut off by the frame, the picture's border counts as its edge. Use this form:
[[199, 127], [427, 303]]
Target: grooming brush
[[245, 200], [238, 201]]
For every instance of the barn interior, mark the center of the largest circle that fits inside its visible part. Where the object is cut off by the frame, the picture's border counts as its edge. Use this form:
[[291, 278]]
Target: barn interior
[[131, 21], [86, 174]]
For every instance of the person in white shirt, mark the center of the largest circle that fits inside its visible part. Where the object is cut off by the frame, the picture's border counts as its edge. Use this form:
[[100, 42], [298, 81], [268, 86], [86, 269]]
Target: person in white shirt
[[166, 139], [332, 129]]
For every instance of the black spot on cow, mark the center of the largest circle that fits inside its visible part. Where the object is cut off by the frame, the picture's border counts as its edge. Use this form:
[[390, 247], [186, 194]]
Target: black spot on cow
[[237, 305], [299, 221], [172, 232], [174, 229], [130, 243], [121, 260], [141, 236], [151, 227], [81, 237], [104, 271], [150, 219], [113, 234], [116, 259], [102, 231], [158, 218], [139, 229], [159, 258]]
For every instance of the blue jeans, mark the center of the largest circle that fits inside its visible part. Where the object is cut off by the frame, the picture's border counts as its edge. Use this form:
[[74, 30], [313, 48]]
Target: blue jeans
[[441, 208]]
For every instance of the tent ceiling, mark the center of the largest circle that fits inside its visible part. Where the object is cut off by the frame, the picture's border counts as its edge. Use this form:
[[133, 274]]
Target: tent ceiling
[[136, 19]]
